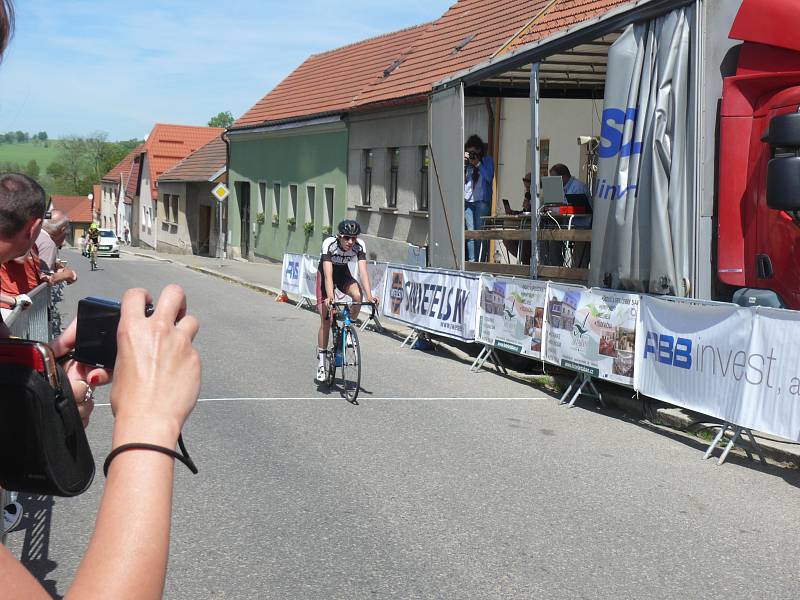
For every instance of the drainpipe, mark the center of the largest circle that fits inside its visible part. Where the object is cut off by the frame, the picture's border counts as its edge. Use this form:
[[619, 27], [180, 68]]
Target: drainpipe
[[224, 232]]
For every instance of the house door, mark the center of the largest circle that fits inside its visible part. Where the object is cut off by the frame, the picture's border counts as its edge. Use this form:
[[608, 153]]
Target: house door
[[204, 231], [244, 212]]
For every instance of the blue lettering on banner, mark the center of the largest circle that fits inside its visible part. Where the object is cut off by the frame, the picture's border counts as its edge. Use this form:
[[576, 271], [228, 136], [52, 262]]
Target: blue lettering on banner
[[293, 269], [614, 137], [669, 350], [435, 301]]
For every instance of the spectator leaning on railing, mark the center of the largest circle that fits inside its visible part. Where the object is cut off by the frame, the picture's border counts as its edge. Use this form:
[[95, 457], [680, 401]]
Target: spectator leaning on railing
[[127, 554], [49, 242]]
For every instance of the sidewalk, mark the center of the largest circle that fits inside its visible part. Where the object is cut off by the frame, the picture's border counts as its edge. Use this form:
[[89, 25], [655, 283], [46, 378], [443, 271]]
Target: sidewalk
[[265, 277]]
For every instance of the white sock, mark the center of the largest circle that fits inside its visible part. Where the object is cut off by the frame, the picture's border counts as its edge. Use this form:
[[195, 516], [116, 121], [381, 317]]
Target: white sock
[[321, 357]]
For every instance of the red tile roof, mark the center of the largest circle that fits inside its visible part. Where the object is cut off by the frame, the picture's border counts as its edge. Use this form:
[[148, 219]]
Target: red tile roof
[[167, 145], [123, 167], [469, 33], [132, 182], [331, 81], [200, 165], [563, 15], [478, 27], [77, 208]]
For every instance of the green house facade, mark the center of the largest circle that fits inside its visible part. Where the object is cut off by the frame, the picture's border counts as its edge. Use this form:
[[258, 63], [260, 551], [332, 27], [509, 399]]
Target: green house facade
[[288, 187]]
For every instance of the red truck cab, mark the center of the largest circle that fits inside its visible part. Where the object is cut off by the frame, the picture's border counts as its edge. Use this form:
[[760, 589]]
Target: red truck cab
[[758, 236]]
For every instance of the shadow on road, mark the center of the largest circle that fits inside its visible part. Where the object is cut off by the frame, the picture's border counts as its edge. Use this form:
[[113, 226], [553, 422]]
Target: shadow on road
[[36, 545]]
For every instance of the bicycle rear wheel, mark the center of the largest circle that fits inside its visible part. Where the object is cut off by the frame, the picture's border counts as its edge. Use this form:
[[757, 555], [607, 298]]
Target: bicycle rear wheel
[[351, 364]]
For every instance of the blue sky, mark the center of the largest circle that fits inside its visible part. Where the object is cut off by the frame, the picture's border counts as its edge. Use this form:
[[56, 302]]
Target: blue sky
[[79, 66]]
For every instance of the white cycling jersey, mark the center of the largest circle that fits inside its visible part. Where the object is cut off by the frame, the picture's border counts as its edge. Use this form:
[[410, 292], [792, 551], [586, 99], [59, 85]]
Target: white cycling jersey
[[333, 252]]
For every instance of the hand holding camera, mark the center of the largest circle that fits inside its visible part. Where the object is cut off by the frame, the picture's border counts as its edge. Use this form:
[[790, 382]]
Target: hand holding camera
[[157, 373]]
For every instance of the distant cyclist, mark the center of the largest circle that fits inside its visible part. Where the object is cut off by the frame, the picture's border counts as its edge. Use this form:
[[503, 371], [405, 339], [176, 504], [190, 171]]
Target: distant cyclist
[[333, 273], [94, 237]]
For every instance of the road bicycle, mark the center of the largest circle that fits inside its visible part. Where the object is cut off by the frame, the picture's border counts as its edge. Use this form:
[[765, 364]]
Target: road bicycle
[[93, 255], [344, 351]]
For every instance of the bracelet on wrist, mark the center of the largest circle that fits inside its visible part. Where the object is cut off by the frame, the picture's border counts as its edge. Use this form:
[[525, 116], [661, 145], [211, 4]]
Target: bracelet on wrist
[[184, 457]]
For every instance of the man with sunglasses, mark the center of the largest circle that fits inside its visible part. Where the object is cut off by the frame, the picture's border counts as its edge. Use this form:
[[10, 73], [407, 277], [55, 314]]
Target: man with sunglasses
[[333, 272]]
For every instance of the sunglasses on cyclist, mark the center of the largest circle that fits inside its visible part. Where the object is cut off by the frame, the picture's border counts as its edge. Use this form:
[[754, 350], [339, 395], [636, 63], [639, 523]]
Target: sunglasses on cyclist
[[349, 238]]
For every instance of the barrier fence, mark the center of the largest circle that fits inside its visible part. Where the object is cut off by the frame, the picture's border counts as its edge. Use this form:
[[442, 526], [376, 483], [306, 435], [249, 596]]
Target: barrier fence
[[733, 363]]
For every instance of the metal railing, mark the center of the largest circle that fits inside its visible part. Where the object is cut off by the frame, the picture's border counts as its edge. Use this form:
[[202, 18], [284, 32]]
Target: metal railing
[[32, 323]]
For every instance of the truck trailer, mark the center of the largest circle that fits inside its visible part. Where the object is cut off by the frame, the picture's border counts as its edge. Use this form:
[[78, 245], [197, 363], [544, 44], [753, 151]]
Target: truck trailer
[[697, 188]]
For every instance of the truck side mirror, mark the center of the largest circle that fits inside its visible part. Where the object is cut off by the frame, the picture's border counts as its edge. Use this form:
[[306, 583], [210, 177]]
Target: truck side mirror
[[783, 183], [783, 171], [784, 131]]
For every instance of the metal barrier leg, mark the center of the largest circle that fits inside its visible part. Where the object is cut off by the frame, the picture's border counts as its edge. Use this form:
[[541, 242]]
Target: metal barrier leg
[[736, 433], [586, 381], [479, 360], [756, 448], [716, 440], [568, 391], [498, 364], [412, 337]]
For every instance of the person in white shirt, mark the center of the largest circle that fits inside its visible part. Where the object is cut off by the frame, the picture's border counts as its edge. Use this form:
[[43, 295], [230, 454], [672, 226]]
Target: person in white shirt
[[49, 241]]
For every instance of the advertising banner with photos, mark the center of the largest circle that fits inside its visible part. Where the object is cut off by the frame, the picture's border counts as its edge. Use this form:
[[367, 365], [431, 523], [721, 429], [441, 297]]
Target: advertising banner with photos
[[733, 363], [592, 331], [441, 302], [511, 314], [291, 275]]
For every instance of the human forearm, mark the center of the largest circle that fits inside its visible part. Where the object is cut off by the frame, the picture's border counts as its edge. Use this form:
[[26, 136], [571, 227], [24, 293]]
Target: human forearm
[[127, 554]]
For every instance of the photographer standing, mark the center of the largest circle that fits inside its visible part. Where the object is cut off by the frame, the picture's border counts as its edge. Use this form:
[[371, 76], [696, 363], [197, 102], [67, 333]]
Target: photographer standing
[[478, 177]]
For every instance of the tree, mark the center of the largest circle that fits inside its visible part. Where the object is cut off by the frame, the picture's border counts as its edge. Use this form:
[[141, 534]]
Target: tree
[[223, 119], [32, 169], [42, 136], [21, 136]]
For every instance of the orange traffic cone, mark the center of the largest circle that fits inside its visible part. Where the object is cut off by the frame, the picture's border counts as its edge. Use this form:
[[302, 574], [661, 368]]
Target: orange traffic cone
[[282, 297]]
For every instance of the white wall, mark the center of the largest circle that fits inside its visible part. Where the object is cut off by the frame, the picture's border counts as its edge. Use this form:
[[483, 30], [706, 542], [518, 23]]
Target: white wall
[[148, 224], [562, 121]]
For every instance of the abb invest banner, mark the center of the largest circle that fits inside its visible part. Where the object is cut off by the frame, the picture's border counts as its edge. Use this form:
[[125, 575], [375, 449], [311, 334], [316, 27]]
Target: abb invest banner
[[592, 331], [441, 302], [511, 314], [733, 363], [292, 272]]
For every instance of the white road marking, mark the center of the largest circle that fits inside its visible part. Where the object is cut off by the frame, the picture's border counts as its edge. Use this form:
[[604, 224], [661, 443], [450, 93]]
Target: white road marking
[[367, 397]]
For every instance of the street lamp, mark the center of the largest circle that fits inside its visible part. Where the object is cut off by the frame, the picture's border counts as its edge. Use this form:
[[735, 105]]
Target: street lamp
[[91, 199]]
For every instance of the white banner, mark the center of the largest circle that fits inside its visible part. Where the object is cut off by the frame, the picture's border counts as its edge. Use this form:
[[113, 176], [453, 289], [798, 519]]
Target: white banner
[[733, 363], [592, 331], [292, 269], [308, 277], [442, 302], [511, 314]]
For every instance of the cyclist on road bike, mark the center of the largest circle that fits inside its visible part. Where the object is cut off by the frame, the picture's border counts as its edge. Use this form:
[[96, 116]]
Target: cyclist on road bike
[[94, 237], [333, 272]]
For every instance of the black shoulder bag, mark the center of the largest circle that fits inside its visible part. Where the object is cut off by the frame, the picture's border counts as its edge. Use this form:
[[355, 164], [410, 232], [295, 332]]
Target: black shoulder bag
[[43, 447]]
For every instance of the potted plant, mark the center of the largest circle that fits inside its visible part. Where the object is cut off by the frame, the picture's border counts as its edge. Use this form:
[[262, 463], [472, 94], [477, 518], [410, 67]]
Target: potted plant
[[292, 222], [261, 218], [275, 219], [309, 228], [327, 230]]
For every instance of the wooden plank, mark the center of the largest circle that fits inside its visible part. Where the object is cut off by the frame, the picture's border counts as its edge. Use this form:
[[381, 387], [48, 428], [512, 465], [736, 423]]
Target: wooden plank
[[565, 235], [499, 269], [550, 272], [498, 234]]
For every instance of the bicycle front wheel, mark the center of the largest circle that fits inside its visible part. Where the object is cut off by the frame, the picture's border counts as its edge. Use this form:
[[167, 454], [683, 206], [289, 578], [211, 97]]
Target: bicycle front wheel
[[351, 364]]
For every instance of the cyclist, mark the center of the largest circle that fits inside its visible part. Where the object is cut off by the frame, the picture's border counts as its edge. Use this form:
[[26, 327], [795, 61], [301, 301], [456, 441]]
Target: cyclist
[[333, 272], [92, 241]]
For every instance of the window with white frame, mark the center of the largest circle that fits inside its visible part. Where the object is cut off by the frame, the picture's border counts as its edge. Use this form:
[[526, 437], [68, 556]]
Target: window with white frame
[[329, 206], [262, 197], [394, 167], [276, 200], [311, 201], [422, 198], [292, 200], [366, 184]]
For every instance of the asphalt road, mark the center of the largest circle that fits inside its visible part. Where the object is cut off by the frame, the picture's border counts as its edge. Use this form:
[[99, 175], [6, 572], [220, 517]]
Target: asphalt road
[[439, 484]]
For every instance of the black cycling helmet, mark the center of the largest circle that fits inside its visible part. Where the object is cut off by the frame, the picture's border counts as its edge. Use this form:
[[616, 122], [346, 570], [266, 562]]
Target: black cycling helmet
[[349, 227]]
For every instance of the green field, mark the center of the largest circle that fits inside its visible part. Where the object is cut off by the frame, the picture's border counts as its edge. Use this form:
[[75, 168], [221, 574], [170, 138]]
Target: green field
[[26, 151]]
